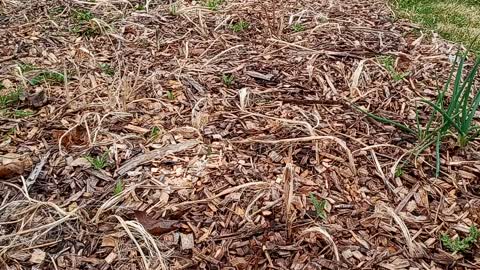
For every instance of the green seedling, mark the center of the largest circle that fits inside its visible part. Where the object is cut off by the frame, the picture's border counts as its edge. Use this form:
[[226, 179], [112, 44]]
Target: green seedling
[[460, 245], [298, 27], [107, 69], [98, 162], [118, 187], [389, 64], [48, 76], [228, 79], [319, 206], [140, 7], [170, 95], [239, 26], [82, 15], [213, 4]]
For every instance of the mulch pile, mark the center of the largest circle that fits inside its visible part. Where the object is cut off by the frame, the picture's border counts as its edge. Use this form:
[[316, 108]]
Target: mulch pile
[[164, 136]]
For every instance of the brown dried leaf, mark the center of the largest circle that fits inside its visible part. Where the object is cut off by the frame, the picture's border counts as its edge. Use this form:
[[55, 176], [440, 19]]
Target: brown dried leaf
[[38, 256], [13, 164], [77, 136], [156, 226]]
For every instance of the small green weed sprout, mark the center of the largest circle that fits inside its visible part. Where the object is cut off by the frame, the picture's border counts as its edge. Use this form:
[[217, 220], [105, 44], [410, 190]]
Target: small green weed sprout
[[213, 4], [48, 76], [389, 64], [458, 244], [118, 187], [154, 133], [140, 7], [82, 15], [173, 9], [298, 27], [86, 24], [10, 98], [399, 171], [170, 95], [228, 79], [107, 69], [98, 162], [22, 113], [239, 26], [319, 206]]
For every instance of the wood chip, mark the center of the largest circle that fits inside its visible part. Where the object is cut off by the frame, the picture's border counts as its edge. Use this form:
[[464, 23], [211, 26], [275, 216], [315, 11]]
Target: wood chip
[[38, 256], [155, 154]]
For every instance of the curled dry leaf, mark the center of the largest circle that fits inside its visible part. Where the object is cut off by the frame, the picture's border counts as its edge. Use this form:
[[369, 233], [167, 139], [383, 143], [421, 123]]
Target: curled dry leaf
[[13, 165], [77, 136], [156, 226]]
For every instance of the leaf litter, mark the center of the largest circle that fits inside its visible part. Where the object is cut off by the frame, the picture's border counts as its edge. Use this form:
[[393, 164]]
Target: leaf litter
[[207, 171]]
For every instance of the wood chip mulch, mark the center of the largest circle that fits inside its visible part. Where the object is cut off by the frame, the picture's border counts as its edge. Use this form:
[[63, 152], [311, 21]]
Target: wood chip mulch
[[214, 141]]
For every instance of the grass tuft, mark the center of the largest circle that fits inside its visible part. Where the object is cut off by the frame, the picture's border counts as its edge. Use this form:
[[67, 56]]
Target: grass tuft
[[10, 98], [118, 187], [239, 26], [85, 23], [228, 79], [455, 20], [98, 162], [48, 76], [22, 113], [107, 69], [298, 27], [82, 15], [213, 4], [389, 64]]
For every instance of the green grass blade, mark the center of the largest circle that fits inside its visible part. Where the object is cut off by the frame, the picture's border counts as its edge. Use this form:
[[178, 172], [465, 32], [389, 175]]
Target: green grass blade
[[437, 155], [417, 120], [387, 121], [469, 111], [457, 87], [445, 115]]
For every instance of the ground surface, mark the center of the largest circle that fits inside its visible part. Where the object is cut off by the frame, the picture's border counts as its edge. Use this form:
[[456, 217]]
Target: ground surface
[[213, 134]]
